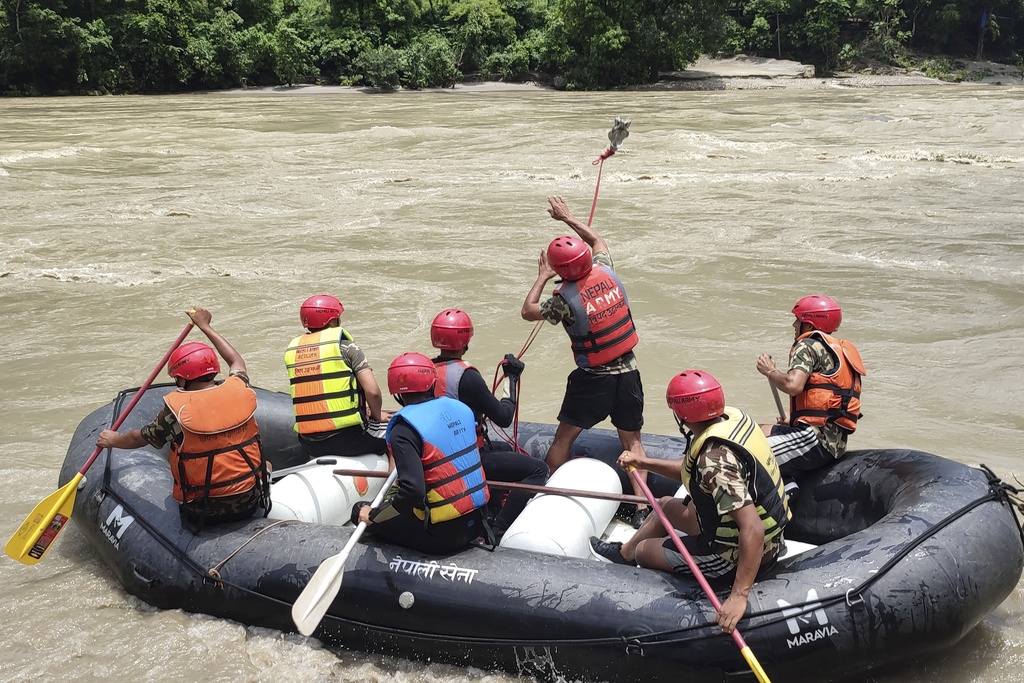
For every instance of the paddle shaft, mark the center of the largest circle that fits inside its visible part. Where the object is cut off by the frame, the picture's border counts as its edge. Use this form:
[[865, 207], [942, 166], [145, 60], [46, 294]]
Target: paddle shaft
[[515, 486], [312, 604], [48, 518], [670, 528], [138, 395], [778, 399]]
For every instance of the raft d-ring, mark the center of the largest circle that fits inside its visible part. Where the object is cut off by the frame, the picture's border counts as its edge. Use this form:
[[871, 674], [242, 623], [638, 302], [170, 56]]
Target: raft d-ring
[[634, 648], [857, 600]]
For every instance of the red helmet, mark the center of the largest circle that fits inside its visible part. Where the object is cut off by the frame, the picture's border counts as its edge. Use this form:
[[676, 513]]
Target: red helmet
[[451, 330], [193, 360], [411, 373], [319, 310], [695, 396], [820, 312], [570, 257]]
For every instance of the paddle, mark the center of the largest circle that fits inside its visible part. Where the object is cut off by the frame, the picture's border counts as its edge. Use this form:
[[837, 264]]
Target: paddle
[[323, 587], [755, 666], [37, 533], [778, 399], [508, 485]]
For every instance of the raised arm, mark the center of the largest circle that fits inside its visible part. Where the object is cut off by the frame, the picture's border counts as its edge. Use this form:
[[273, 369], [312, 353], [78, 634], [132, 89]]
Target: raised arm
[[531, 307], [202, 317], [560, 212]]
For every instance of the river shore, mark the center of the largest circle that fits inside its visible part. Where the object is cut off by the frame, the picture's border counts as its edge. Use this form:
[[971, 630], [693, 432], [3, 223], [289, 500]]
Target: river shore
[[707, 73]]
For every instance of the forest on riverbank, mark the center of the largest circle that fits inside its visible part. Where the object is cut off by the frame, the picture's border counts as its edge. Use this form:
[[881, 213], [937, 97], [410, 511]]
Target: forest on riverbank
[[150, 46]]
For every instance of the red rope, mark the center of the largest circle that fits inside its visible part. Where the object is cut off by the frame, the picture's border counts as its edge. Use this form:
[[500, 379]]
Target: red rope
[[513, 440]]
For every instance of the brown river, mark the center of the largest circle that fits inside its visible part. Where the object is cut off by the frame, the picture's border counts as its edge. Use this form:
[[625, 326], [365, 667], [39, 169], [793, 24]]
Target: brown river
[[721, 210]]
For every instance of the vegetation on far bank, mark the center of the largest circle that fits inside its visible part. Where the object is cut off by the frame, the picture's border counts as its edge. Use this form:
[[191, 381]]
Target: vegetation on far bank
[[117, 46]]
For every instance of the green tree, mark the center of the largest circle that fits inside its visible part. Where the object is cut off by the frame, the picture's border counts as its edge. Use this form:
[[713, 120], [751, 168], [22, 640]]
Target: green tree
[[380, 66], [429, 62], [605, 43]]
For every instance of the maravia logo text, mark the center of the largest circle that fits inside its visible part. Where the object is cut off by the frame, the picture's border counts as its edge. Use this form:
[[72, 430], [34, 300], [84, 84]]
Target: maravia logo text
[[115, 526], [801, 617]]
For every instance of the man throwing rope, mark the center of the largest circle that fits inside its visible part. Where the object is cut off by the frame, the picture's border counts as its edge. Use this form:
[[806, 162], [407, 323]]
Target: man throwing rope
[[591, 304]]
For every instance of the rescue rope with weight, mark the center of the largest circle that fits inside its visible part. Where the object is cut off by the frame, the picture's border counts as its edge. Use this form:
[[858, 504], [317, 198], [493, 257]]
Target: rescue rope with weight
[[618, 133]]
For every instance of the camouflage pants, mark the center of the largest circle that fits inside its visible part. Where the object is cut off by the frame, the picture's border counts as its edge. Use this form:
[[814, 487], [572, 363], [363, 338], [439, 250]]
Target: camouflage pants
[[222, 508]]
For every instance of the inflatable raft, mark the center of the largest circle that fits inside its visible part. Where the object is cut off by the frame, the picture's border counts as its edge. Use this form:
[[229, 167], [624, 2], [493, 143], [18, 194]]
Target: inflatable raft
[[913, 551]]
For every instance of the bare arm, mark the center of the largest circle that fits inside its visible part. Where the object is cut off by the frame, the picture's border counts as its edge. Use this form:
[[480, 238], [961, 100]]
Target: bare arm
[[108, 438], [672, 469], [791, 382], [560, 212], [531, 307], [202, 317], [371, 391], [751, 550]]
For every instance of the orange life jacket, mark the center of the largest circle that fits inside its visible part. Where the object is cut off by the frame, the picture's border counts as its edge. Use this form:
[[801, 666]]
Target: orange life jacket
[[834, 397], [449, 374], [604, 329], [220, 451]]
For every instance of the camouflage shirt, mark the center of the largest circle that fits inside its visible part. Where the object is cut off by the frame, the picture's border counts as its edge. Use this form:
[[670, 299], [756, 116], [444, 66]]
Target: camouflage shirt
[[354, 356], [556, 310], [165, 428], [810, 355], [724, 478]]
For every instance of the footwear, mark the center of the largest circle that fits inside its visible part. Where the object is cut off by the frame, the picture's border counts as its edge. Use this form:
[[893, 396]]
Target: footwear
[[609, 552], [792, 492], [639, 516]]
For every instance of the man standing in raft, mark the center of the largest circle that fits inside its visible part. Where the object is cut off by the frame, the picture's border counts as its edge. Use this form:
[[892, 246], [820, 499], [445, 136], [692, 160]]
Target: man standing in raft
[[332, 385], [218, 469], [737, 508], [591, 304], [824, 380], [441, 487], [450, 332]]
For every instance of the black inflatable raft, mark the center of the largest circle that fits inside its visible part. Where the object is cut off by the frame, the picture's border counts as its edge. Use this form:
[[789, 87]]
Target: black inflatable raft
[[913, 551]]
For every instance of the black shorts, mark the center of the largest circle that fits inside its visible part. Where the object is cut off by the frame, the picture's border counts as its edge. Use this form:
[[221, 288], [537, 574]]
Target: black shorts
[[590, 398], [349, 441], [797, 449], [709, 563]]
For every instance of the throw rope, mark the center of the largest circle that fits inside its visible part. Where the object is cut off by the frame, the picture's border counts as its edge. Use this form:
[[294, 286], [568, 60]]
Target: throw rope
[[618, 133], [214, 570]]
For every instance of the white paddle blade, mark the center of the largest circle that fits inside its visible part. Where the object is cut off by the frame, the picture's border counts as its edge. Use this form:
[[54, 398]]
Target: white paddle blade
[[309, 610]]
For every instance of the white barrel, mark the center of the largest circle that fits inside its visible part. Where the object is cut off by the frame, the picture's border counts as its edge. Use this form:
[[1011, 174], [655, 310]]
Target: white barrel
[[316, 494], [561, 525]]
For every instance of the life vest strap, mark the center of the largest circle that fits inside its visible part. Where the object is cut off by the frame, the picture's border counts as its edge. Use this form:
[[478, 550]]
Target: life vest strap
[[327, 416], [455, 477], [210, 454], [458, 496], [584, 343], [453, 456], [342, 374], [351, 393]]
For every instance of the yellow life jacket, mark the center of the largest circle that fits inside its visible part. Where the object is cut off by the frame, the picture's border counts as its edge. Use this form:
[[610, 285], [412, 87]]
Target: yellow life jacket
[[744, 437], [325, 394]]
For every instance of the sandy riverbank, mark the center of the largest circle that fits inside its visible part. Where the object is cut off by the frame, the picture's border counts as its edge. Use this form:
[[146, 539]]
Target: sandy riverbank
[[736, 73]]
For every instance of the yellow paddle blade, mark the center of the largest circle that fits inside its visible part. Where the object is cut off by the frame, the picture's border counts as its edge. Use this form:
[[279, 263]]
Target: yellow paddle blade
[[37, 533], [755, 665]]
